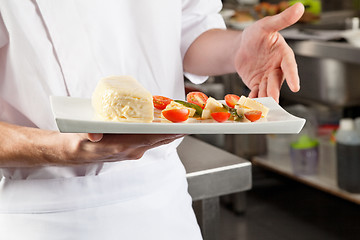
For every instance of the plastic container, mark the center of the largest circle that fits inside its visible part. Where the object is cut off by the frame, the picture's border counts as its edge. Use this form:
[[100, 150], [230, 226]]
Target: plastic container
[[305, 156], [348, 156]]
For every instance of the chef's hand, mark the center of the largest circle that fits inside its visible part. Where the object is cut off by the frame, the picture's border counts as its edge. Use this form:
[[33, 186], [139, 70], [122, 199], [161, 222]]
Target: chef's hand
[[264, 59], [95, 148], [259, 54], [32, 147]]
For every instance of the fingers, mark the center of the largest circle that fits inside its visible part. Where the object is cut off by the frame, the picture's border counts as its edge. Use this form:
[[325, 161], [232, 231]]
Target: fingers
[[269, 85], [290, 70], [263, 88], [92, 148], [95, 137], [276, 79], [139, 152], [254, 92], [284, 19], [147, 142]]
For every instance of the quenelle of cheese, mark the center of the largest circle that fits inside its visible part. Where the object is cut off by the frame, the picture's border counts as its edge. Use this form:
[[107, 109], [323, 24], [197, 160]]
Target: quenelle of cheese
[[247, 104], [124, 99]]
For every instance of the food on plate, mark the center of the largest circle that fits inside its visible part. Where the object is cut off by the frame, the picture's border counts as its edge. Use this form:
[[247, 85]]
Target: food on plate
[[211, 106], [253, 115], [176, 105], [220, 116], [198, 109], [231, 100], [252, 104], [246, 104], [161, 102], [241, 109], [124, 99], [234, 116], [176, 114], [197, 98]]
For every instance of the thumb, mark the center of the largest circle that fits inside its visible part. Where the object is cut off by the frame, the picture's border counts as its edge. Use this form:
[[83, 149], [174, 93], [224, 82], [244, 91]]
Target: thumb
[[284, 19], [95, 137]]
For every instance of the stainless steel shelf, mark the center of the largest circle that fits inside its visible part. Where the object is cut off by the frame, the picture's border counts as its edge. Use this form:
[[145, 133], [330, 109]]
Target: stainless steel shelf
[[281, 164], [341, 51]]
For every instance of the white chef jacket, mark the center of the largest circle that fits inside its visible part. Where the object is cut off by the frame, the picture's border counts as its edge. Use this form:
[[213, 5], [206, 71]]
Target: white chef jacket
[[63, 47]]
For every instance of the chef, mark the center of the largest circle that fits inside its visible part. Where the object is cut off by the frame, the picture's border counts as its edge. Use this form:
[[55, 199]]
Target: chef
[[95, 186]]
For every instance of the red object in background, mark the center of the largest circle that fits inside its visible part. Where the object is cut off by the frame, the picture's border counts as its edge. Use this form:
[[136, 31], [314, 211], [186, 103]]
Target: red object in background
[[328, 130]]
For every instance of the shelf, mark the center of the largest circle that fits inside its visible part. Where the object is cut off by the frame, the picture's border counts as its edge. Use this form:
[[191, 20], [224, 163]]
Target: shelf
[[281, 164]]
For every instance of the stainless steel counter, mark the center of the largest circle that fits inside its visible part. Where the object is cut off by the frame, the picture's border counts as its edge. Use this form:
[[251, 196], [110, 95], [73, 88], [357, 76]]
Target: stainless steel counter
[[211, 173]]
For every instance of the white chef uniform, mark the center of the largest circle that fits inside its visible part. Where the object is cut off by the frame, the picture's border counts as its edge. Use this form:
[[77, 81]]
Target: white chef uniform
[[63, 47]]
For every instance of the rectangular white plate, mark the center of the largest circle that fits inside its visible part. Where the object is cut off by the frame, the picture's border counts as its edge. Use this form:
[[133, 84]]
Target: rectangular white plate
[[76, 115]]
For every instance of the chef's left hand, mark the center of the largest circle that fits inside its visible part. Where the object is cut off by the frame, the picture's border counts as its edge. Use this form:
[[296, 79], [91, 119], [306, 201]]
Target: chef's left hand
[[264, 59]]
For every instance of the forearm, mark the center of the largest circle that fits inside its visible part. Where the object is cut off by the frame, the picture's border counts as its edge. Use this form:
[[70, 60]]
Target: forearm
[[32, 147], [213, 53], [27, 147]]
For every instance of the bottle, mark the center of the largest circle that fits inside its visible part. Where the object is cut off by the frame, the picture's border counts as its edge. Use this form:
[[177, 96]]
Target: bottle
[[357, 125], [348, 156]]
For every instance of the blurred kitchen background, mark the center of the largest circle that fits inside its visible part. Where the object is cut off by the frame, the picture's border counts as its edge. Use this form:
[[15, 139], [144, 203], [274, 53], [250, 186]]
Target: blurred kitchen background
[[304, 186]]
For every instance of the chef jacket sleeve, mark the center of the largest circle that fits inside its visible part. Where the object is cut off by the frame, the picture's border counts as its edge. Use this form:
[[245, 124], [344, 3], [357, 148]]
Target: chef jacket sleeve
[[198, 16], [3, 33]]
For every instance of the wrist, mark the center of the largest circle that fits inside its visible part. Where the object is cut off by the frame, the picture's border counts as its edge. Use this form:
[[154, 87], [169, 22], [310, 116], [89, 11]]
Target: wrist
[[39, 147], [30, 147], [235, 54]]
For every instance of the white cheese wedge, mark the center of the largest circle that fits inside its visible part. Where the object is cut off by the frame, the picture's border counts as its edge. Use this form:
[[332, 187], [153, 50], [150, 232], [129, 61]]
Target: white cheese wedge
[[124, 99], [211, 106], [250, 104]]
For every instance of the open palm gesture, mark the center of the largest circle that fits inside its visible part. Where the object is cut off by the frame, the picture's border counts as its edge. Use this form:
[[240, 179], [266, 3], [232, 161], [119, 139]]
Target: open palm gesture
[[264, 60]]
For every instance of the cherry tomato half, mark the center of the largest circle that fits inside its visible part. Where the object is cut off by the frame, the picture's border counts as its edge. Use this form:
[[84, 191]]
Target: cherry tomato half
[[231, 100], [161, 102], [253, 115], [197, 98], [220, 116], [176, 115]]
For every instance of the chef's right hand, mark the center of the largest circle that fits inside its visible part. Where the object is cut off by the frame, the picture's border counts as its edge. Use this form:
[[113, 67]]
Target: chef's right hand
[[33, 147], [92, 148]]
